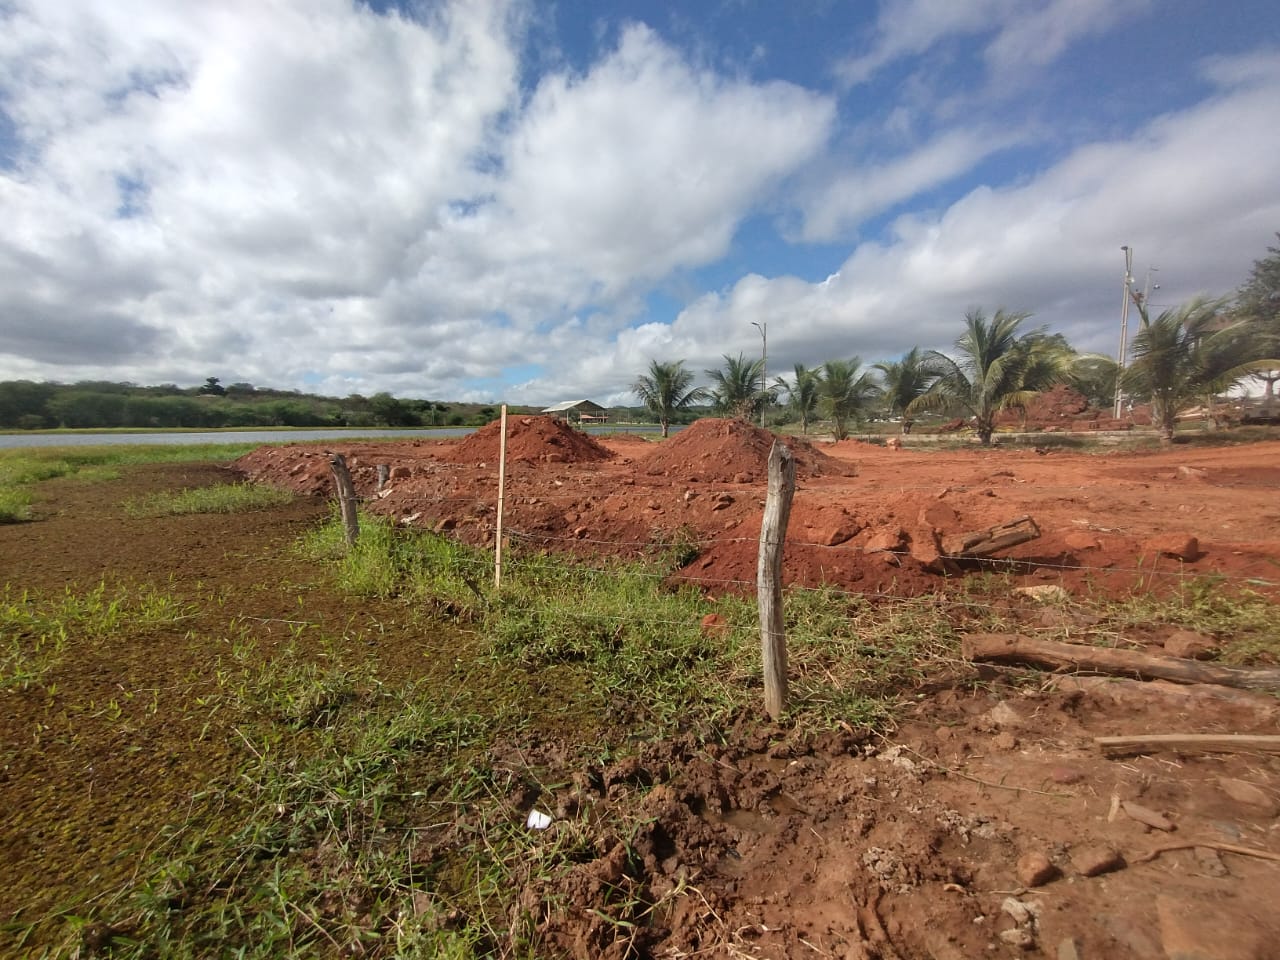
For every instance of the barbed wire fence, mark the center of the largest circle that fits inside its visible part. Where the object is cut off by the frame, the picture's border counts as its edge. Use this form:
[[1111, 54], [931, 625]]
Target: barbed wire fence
[[767, 583]]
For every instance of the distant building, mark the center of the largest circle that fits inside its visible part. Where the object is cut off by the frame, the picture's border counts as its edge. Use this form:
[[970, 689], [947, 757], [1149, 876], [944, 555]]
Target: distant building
[[578, 411]]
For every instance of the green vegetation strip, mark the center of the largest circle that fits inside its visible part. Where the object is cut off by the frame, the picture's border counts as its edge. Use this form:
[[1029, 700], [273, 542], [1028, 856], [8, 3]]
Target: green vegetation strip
[[22, 467], [223, 498]]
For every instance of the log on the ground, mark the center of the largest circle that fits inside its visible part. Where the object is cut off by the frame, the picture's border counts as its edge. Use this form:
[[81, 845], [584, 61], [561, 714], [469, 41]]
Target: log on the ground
[[1187, 743], [984, 543], [1015, 648]]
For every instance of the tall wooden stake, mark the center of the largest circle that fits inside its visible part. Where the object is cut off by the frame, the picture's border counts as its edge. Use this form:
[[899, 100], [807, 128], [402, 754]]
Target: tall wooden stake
[[773, 532], [502, 489], [346, 497]]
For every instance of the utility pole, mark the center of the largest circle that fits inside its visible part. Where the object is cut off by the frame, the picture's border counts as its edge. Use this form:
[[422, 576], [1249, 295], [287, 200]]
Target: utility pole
[[1124, 329], [764, 365]]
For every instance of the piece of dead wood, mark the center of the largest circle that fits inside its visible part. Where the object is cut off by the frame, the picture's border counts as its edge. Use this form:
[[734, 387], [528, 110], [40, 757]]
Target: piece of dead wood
[[984, 543], [1016, 648], [1221, 847], [1188, 743]]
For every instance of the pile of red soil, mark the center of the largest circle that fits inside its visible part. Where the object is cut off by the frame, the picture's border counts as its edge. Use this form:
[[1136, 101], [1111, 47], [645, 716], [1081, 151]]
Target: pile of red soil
[[534, 439], [733, 451]]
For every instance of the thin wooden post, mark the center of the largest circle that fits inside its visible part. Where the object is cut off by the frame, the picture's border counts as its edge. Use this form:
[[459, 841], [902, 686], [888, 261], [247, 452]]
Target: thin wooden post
[[773, 532], [346, 497], [502, 488], [384, 474]]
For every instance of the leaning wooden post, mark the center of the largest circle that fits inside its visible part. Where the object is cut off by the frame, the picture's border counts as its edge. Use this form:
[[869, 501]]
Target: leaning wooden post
[[773, 532], [346, 497], [502, 488]]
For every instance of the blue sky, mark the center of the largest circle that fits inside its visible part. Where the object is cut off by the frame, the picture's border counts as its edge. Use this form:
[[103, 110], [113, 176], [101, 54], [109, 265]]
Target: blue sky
[[499, 200]]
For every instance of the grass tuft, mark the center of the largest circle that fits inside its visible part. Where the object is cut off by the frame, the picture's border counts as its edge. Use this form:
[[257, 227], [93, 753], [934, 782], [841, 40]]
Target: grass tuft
[[223, 498]]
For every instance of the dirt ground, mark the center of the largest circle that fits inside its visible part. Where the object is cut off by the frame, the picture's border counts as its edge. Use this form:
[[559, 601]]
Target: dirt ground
[[866, 518], [986, 825]]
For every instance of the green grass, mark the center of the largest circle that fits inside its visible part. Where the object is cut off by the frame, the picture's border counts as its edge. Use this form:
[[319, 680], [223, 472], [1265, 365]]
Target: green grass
[[223, 498], [34, 630], [369, 815], [22, 467]]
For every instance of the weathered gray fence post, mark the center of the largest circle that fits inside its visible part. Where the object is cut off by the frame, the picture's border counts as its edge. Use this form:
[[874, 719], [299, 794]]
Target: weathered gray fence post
[[773, 532], [346, 497], [384, 474]]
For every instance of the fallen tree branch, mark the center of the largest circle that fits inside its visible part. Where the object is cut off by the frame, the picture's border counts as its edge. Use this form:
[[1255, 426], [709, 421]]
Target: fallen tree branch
[[1188, 743], [1015, 648], [1222, 847]]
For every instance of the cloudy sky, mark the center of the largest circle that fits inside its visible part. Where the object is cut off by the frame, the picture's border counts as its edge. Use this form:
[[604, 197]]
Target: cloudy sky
[[528, 201]]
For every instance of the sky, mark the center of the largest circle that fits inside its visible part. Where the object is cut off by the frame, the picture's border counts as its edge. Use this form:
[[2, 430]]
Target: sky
[[500, 200]]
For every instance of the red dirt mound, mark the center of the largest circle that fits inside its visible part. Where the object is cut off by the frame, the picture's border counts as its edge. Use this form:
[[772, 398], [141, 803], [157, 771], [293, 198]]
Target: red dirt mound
[[528, 438], [733, 451], [1057, 405]]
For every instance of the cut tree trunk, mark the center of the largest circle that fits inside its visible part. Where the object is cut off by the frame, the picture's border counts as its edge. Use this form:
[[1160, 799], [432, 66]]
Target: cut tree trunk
[[1014, 648]]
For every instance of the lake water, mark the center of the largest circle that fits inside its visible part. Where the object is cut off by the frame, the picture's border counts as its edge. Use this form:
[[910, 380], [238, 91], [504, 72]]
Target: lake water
[[261, 436]]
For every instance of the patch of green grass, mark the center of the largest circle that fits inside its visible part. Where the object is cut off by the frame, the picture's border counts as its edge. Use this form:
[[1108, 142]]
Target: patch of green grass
[[222, 498], [1242, 620], [21, 467], [35, 629], [15, 505]]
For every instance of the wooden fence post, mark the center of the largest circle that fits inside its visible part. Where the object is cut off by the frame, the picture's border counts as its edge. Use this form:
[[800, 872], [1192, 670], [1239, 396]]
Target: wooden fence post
[[773, 532], [346, 497], [502, 488], [384, 474]]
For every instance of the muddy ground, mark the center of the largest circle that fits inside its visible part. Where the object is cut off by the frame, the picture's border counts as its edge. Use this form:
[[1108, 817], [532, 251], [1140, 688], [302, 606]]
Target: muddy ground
[[987, 824]]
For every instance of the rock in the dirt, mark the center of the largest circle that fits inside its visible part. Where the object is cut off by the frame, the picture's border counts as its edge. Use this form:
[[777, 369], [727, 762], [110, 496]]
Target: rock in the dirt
[[1004, 740], [1065, 775], [1068, 950], [1190, 645], [1044, 593], [1096, 859], [1035, 869], [1249, 795], [1192, 473], [837, 533], [1018, 937], [1146, 816], [883, 541], [1175, 545]]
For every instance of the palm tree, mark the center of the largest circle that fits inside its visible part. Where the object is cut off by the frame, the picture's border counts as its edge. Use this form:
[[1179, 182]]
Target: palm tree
[[1185, 354], [665, 389], [904, 380], [845, 393], [802, 394], [997, 370], [737, 389]]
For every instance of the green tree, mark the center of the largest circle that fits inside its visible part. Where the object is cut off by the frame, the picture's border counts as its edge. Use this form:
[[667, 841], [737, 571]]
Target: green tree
[[1258, 303], [1185, 356], [802, 394], [903, 381], [1094, 376], [737, 390], [666, 389], [213, 387], [996, 370], [845, 392]]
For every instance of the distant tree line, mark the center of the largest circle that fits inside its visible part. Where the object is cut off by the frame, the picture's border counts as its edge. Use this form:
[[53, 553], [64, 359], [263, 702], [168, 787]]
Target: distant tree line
[[101, 405], [1187, 355]]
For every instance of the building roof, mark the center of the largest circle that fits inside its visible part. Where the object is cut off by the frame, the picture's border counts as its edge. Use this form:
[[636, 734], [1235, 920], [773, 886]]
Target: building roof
[[565, 405]]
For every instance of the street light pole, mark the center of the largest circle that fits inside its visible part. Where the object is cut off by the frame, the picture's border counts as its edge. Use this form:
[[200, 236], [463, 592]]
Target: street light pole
[[1124, 329], [764, 364]]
